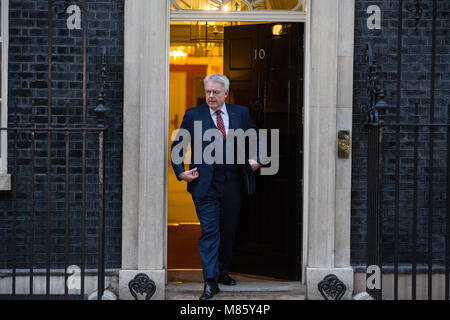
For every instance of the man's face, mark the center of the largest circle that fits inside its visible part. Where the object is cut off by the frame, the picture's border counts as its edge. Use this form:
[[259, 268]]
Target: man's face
[[215, 95]]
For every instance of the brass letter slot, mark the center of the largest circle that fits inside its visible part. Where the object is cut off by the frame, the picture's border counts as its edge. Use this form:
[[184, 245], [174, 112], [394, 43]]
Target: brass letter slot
[[344, 144]]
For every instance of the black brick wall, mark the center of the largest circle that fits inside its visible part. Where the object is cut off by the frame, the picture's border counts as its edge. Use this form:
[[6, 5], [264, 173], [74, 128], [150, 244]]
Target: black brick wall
[[28, 65], [415, 89], [28, 90]]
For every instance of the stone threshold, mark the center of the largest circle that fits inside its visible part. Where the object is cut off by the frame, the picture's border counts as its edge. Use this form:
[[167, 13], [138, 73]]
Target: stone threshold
[[188, 285]]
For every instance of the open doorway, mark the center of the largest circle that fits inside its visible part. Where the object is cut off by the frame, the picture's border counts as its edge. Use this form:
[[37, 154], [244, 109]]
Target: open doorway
[[264, 62]]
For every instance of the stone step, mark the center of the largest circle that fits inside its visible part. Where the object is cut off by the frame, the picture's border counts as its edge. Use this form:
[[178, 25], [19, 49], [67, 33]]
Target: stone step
[[250, 290]]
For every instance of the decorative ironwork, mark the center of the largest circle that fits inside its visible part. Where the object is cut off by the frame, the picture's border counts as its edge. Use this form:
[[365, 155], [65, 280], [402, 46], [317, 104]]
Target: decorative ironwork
[[417, 10], [62, 8], [142, 284], [377, 105], [100, 109], [331, 288], [227, 5]]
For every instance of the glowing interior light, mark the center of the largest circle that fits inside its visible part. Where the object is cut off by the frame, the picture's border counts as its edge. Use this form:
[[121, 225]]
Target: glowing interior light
[[208, 7], [178, 54], [277, 29]]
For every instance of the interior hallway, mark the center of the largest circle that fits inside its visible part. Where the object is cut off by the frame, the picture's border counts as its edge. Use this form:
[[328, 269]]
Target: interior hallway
[[183, 229]]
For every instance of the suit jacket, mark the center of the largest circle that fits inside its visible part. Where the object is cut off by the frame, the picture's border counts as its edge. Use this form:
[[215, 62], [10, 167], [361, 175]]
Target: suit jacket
[[239, 118]]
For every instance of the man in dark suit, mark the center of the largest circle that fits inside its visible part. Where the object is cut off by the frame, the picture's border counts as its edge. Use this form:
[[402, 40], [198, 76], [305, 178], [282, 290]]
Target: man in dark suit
[[217, 188]]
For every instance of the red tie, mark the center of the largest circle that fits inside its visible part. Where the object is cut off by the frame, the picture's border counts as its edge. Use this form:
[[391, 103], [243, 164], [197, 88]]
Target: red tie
[[220, 125]]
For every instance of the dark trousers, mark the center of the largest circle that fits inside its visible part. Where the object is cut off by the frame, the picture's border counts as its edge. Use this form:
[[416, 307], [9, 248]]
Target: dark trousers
[[218, 213]]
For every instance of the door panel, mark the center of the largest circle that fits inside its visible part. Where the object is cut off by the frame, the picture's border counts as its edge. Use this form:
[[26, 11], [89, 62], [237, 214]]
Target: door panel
[[239, 64], [240, 54], [269, 233]]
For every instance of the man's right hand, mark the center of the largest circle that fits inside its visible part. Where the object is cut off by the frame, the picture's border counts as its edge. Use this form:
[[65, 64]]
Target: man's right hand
[[189, 175]]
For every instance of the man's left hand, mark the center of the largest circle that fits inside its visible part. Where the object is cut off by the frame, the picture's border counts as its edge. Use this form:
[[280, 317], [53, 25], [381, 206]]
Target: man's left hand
[[253, 164]]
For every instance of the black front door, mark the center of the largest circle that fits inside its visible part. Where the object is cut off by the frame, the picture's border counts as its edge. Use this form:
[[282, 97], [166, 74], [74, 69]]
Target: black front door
[[264, 63]]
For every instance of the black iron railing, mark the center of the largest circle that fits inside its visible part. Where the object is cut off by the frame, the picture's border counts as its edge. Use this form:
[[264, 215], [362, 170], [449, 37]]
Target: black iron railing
[[48, 160], [419, 214], [408, 182]]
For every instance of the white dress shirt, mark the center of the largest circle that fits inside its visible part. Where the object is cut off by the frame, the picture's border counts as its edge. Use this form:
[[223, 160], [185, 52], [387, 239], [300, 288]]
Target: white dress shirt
[[224, 114], [225, 118]]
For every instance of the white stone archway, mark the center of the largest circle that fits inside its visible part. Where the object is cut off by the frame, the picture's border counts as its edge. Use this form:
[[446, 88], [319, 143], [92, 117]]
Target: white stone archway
[[328, 108]]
